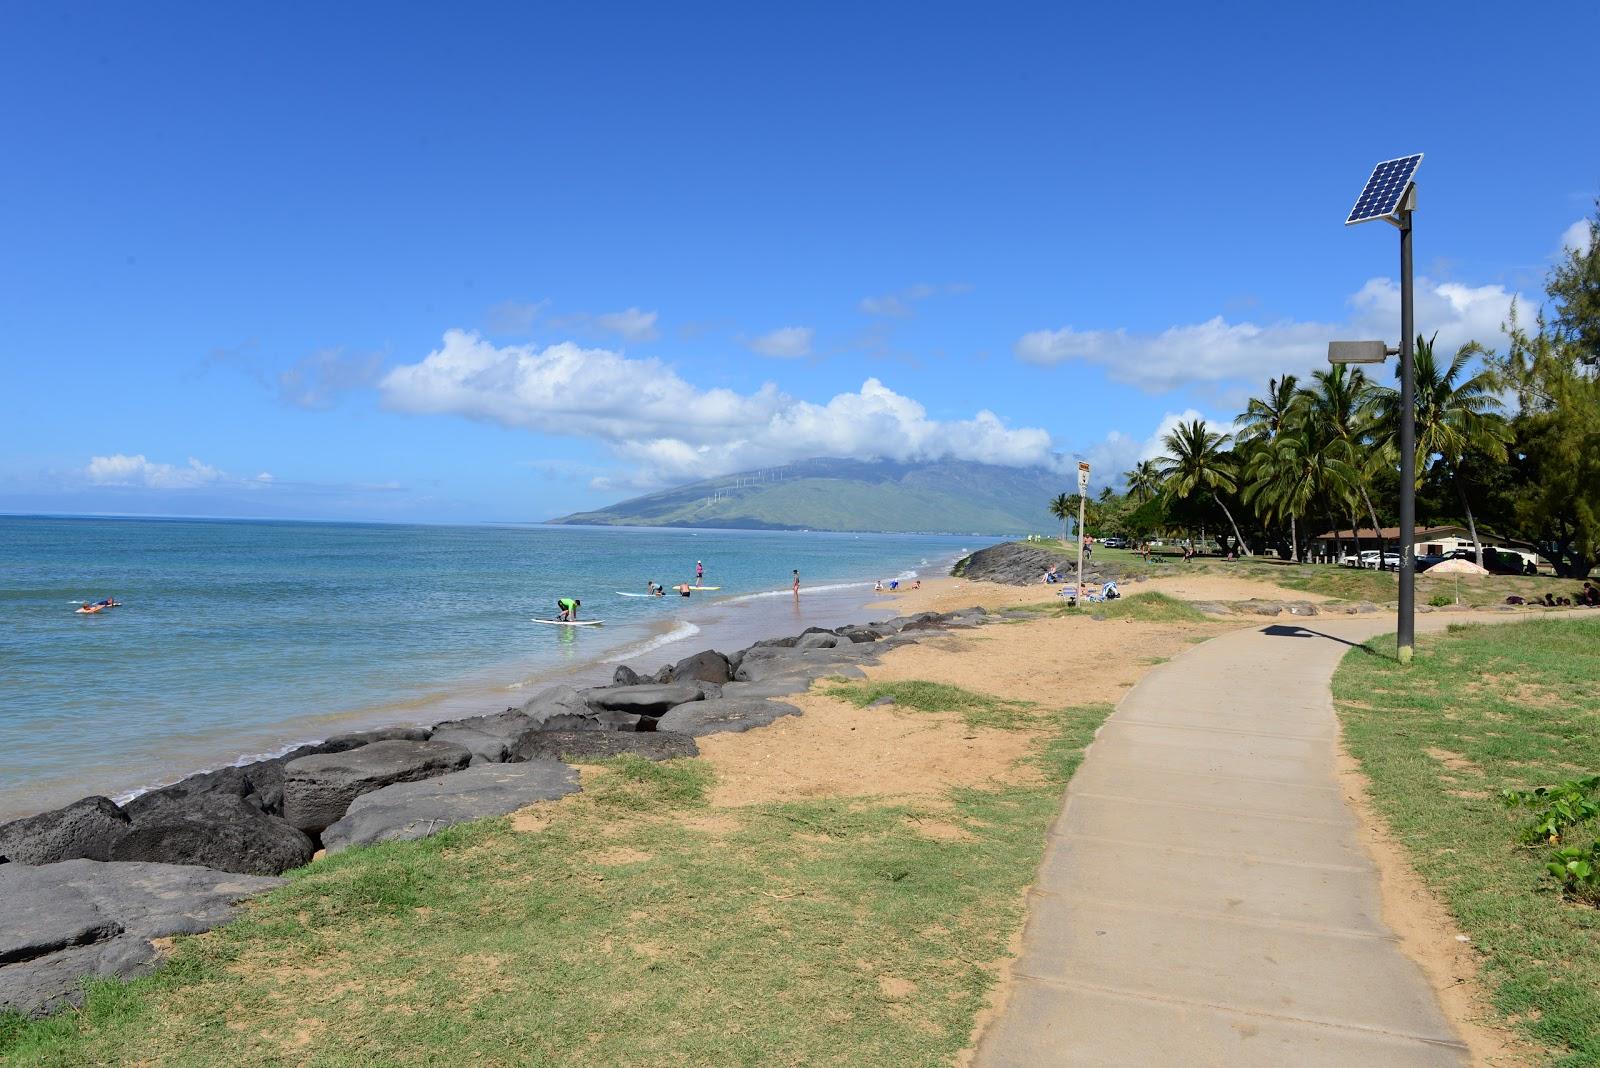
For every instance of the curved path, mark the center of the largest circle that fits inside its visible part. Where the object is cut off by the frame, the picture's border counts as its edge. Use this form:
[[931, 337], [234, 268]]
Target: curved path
[[1204, 898]]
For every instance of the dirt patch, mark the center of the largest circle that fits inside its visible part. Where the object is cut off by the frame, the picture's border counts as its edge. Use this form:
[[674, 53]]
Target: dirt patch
[[1223, 588], [531, 820], [940, 831], [835, 749], [895, 989], [613, 857], [1454, 761], [1429, 935], [710, 822]]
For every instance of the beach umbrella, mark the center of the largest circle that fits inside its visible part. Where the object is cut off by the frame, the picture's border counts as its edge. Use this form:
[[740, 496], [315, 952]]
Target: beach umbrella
[[1457, 566]]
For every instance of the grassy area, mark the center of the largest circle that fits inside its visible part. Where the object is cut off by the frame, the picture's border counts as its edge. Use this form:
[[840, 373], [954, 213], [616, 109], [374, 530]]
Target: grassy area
[[1484, 709], [976, 709], [1330, 580], [639, 927], [1150, 607]]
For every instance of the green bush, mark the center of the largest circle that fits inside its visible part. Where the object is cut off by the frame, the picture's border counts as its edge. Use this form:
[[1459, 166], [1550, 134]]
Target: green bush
[[1439, 600]]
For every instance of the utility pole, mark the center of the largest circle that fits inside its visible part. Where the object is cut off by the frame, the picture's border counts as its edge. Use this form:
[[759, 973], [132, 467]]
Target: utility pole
[[1083, 500]]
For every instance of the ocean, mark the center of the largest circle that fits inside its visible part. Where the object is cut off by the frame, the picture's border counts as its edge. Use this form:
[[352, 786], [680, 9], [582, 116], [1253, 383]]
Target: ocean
[[238, 639]]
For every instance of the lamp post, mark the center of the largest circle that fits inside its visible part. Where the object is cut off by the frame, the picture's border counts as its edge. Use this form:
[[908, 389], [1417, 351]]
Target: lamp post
[[1391, 195]]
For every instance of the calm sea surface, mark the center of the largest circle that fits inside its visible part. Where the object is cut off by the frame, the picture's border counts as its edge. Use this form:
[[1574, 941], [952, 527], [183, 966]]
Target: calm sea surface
[[239, 638]]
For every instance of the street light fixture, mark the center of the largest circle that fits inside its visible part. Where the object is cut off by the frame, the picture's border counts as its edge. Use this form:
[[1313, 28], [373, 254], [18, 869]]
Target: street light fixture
[[1391, 195]]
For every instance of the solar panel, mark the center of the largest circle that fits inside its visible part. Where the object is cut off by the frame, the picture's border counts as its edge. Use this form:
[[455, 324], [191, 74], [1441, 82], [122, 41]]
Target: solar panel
[[1388, 184]]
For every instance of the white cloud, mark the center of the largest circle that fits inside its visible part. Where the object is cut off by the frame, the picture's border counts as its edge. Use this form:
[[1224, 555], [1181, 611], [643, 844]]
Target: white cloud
[[784, 343], [515, 316], [899, 305], [1219, 351], [1578, 237], [316, 381], [1115, 454], [631, 324], [669, 429], [123, 470]]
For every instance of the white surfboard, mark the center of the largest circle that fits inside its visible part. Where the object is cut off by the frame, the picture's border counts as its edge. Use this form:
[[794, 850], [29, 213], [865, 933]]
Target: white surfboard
[[624, 593], [705, 587], [570, 623]]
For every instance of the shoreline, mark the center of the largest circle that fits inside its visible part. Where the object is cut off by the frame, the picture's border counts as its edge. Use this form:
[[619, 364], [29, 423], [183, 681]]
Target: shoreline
[[733, 621]]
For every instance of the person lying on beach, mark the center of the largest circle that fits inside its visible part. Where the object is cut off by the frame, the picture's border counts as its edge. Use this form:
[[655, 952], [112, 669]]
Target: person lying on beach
[[568, 609]]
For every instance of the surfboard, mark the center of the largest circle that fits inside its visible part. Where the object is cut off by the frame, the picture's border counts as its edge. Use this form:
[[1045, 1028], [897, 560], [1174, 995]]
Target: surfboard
[[624, 593], [705, 587], [571, 623]]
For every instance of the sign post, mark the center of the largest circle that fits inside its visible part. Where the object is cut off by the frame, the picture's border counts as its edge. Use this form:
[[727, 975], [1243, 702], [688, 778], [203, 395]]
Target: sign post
[[1083, 499]]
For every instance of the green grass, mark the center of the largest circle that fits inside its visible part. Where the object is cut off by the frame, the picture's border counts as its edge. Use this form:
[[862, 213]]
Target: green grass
[[1150, 607], [1330, 580], [634, 929], [975, 709], [1513, 706]]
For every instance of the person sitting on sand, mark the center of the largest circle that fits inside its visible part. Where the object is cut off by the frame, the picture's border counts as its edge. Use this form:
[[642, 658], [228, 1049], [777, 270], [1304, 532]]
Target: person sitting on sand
[[877, 587], [568, 609], [894, 585], [916, 584]]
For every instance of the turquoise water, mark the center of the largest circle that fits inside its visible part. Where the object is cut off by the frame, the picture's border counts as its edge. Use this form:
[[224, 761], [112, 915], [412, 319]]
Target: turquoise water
[[239, 638]]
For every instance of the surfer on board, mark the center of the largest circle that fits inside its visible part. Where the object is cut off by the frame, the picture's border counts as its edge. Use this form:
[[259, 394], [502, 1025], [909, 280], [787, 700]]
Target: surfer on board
[[568, 609]]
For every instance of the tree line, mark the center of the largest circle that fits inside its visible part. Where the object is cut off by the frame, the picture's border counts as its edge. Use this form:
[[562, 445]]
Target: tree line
[[1507, 445]]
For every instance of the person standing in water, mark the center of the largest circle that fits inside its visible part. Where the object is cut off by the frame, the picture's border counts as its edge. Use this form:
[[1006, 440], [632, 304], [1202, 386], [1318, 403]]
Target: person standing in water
[[797, 582]]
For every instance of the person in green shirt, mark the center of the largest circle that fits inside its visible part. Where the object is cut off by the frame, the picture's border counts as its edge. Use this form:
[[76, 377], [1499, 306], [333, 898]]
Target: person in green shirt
[[569, 609]]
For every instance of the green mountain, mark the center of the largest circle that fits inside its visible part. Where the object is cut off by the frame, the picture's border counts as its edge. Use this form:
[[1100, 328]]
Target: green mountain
[[945, 497]]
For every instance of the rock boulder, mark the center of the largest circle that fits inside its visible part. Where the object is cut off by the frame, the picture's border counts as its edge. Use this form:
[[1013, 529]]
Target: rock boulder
[[648, 700], [577, 745], [214, 830], [409, 810], [728, 714], [79, 918], [318, 789], [87, 828]]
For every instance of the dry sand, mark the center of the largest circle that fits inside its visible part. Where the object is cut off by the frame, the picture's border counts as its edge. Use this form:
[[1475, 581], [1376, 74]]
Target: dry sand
[[836, 749]]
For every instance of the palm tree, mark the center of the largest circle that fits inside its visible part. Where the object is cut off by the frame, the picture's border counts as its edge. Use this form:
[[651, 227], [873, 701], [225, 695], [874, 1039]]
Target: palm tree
[[1144, 481], [1197, 459], [1061, 508], [1454, 414], [1263, 419], [1341, 408], [1287, 475]]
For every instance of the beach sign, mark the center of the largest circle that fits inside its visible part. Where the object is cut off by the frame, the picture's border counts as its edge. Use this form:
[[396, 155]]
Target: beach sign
[[1083, 477]]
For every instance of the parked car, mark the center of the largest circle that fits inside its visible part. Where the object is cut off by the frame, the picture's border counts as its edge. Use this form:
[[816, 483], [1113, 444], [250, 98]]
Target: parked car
[[1497, 561], [1427, 560], [1116, 541], [1351, 559]]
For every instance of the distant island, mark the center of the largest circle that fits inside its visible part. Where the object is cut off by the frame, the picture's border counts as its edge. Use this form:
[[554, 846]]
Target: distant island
[[943, 497]]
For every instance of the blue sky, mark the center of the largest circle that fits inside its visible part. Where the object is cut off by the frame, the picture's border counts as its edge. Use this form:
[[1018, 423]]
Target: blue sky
[[498, 263]]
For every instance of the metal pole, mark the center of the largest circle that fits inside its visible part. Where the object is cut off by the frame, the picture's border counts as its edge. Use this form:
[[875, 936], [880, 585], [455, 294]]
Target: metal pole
[[1406, 629], [1082, 499]]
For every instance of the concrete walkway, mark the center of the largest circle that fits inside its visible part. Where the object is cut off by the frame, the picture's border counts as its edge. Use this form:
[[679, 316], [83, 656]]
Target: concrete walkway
[[1204, 899]]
